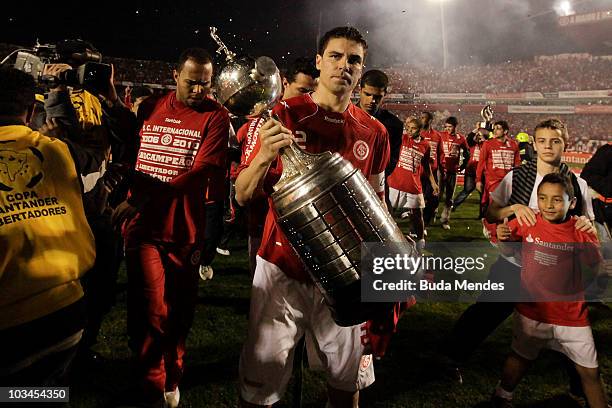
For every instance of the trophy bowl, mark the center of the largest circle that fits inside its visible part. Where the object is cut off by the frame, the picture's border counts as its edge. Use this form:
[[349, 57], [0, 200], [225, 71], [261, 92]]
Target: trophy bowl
[[249, 87]]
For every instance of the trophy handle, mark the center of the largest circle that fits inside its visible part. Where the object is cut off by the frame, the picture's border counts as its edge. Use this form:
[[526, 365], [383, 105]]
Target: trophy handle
[[295, 160]]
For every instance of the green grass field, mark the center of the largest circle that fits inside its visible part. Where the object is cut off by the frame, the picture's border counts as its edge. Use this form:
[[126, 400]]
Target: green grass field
[[408, 376]]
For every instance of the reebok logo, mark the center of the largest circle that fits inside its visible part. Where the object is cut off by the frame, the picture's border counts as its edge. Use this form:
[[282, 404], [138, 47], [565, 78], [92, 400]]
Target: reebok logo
[[332, 120], [171, 120]]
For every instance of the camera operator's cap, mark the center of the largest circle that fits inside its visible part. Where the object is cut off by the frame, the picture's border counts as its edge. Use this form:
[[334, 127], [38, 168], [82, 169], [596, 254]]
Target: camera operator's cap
[[522, 137]]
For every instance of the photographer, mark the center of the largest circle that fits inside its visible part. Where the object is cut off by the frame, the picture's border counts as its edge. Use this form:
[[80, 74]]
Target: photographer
[[91, 116]]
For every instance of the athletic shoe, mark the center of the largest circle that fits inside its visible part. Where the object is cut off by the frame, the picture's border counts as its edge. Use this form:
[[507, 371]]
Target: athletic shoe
[[445, 225], [222, 251], [172, 398], [499, 402], [424, 232], [206, 272], [405, 214]]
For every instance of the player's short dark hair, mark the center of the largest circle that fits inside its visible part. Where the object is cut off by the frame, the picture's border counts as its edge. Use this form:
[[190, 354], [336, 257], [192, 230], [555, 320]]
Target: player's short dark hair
[[562, 180], [503, 124], [429, 114], [451, 120], [301, 65], [17, 92], [375, 78], [350, 33], [554, 124], [199, 55]]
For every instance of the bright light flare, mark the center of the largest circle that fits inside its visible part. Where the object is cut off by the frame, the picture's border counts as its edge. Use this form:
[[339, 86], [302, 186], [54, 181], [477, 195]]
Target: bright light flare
[[564, 8]]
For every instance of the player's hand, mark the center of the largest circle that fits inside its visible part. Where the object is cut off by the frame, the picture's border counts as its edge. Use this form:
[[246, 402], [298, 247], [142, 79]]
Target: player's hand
[[524, 214], [273, 137], [110, 93], [114, 175], [479, 186], [52, 128], [503, 231], [435, 190], [122, 213], [584, 224]]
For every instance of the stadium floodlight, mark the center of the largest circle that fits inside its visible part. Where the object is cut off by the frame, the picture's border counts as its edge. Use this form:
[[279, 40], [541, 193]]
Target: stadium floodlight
[[443, 26], [564, 8]]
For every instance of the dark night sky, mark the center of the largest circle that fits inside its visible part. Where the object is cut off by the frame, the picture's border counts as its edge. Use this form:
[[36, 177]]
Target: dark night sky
[[397, 30]]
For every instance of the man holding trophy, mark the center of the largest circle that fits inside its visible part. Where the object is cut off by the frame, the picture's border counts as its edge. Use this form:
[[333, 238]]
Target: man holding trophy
[[285, 303]]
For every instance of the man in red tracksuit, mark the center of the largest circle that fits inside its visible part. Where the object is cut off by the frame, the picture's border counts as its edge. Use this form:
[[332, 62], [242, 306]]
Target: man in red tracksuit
[[183, 143], [436, 158], [453, 143], [497, 157]]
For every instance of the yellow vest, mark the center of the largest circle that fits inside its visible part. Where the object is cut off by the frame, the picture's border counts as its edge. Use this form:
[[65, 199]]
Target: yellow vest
[[88, 108], [45, 242]]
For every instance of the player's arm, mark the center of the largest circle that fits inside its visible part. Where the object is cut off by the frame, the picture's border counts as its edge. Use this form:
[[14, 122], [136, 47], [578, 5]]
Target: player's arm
[[272, 138], [380, 160], [426, 163], [499, 208], [466, 155], [506, 233], [482, 160]]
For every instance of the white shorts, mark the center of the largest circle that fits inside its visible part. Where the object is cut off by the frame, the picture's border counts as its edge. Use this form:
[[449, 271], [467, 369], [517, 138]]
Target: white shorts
[[400, 199], [282, 310], [530, 336]]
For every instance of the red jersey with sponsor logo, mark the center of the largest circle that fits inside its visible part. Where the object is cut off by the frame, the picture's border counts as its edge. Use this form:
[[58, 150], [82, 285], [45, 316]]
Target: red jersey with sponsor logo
[[258, 206], [436, 154], [452, 146], [497, 158], [182, 153], [552, 256], [407, 174], [354, 134]]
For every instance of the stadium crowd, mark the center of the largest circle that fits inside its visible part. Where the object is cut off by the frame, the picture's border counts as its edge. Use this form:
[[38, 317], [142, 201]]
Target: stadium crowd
[[512, 76]]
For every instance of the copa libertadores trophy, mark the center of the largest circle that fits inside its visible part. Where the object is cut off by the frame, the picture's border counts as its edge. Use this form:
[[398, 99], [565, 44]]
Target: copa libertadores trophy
[[325, 206]]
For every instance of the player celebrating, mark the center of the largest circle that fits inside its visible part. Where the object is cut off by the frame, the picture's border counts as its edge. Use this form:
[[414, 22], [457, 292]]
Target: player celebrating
[[284, 302], [436, 158], [405, 190]]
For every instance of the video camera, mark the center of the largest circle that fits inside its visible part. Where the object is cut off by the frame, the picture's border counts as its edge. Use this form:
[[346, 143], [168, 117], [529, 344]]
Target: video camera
[[88, 72]]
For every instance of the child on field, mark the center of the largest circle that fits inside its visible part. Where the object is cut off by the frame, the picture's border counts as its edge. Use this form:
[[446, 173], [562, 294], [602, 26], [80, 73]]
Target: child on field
[[548, 252]]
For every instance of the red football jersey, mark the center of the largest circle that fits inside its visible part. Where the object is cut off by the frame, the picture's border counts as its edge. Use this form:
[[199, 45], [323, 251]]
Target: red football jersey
[[474, 157], [436, 154], [258, 206], [407, 174], [497, 158], [548, 254], [452, 150], [354, 134], [182, 151]]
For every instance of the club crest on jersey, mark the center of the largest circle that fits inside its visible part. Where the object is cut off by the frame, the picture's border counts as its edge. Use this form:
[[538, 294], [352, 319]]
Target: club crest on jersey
[[195, 257], [166, 139], [361, 150]]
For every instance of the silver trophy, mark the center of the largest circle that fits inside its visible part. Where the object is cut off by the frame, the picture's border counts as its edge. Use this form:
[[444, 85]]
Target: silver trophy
[[325, 206]]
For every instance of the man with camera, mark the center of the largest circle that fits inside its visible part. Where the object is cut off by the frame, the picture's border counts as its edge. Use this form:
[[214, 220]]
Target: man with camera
[[45, 245], [82, 106]]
